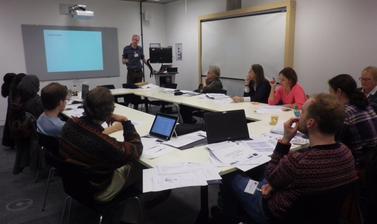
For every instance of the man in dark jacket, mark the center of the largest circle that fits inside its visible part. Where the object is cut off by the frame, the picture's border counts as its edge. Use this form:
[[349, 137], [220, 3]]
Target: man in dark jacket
[[110, 162]]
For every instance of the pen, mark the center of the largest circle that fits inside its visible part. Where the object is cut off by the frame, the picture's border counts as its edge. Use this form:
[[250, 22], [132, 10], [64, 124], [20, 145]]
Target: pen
[[258, 189], [209, 97]]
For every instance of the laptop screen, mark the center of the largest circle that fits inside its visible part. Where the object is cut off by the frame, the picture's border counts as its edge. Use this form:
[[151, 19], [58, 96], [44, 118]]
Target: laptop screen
[[163, 126], [226, 126]]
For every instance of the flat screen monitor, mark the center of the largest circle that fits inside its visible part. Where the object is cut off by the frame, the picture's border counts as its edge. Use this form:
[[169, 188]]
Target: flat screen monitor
[[161, 54]]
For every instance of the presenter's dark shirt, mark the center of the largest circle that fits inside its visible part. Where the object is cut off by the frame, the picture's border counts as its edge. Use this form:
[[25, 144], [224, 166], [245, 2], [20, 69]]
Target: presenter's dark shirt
[[134, 55]]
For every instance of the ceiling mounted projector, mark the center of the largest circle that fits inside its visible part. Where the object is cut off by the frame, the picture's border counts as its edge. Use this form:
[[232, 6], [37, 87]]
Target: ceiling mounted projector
[[80, 12]]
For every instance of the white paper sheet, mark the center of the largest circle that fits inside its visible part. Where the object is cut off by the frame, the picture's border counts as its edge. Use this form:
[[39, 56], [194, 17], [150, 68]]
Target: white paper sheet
[[179, 175], [74, 112], [239, 154], [154, 149], [269, 110], [232, 152], [183, 140]]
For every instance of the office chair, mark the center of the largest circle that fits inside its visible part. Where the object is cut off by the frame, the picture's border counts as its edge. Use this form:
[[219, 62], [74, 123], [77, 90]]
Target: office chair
[[333, 206], [50, 148], [76, 184], [223, 91], [170, 85], [109, 86], [163, 104], [133, 99]]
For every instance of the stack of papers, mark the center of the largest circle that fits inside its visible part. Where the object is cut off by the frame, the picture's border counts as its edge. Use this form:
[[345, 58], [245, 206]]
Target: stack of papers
[[299, 139], [269, 109], [190, 93], [243, 155], [179, 175], [218, 98], [150, 86], [183, 140]]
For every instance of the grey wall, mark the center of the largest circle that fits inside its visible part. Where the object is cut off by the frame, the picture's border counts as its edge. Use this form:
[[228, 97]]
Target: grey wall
[[332, 37], [110, 13]]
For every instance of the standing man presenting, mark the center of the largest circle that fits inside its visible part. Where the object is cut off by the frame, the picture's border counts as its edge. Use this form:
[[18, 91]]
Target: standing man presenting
[[132, 56]]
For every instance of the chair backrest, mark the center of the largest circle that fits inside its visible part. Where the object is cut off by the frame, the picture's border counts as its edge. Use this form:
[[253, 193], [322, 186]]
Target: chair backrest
[[170, 85], [223, 91], [129, 86], [50, 145], [110, 86], [76, 183], [322, 207]]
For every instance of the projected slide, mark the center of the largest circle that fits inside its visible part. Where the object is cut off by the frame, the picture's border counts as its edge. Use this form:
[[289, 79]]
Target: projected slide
[[73, 51]]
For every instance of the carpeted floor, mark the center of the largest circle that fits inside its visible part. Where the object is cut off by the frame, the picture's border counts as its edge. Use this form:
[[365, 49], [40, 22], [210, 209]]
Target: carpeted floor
[[21, 200]]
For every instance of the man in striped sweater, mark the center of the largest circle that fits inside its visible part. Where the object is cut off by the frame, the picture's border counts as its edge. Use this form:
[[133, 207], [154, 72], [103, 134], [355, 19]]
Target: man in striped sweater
[[110, 162], [324, 165]]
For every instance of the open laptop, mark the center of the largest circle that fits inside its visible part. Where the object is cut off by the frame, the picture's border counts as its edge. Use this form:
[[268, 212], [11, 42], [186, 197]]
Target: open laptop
[[163, 126], [226, 126]]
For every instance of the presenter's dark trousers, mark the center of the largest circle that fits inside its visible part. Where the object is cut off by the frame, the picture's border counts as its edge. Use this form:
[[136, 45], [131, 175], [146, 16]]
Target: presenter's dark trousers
[[134, 76]]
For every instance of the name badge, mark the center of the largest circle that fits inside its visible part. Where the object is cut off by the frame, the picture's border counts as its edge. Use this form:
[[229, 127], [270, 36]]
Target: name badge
[[136, 55]]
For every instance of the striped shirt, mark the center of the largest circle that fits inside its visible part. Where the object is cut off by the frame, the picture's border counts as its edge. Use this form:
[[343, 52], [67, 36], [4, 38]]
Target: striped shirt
[[293, 175], [359, 132]]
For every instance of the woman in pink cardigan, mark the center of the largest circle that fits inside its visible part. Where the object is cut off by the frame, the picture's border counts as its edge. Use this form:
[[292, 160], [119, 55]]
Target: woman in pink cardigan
[[289, 93]]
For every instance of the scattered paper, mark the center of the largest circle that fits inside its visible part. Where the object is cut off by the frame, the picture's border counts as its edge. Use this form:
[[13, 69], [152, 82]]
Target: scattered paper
[[179, 175], [216, 98], [261, 145], [269, 110], [154, 149], [74, 112], [183, 140], [150, 86], [240, 154]]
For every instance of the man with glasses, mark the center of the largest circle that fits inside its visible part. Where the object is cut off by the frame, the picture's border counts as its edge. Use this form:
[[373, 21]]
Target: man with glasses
[[368, 81]]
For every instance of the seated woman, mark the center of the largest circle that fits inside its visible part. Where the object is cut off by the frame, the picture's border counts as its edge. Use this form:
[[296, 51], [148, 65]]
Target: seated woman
[[54, 101], [257, 87], [289, 93], [359, 131]]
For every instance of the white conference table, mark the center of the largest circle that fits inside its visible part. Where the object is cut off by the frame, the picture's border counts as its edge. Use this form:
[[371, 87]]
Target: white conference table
[[143, 122], [205, 104]]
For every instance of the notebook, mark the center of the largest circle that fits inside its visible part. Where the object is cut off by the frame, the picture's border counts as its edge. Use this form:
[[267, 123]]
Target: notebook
[[226, 126], [163, 126]]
